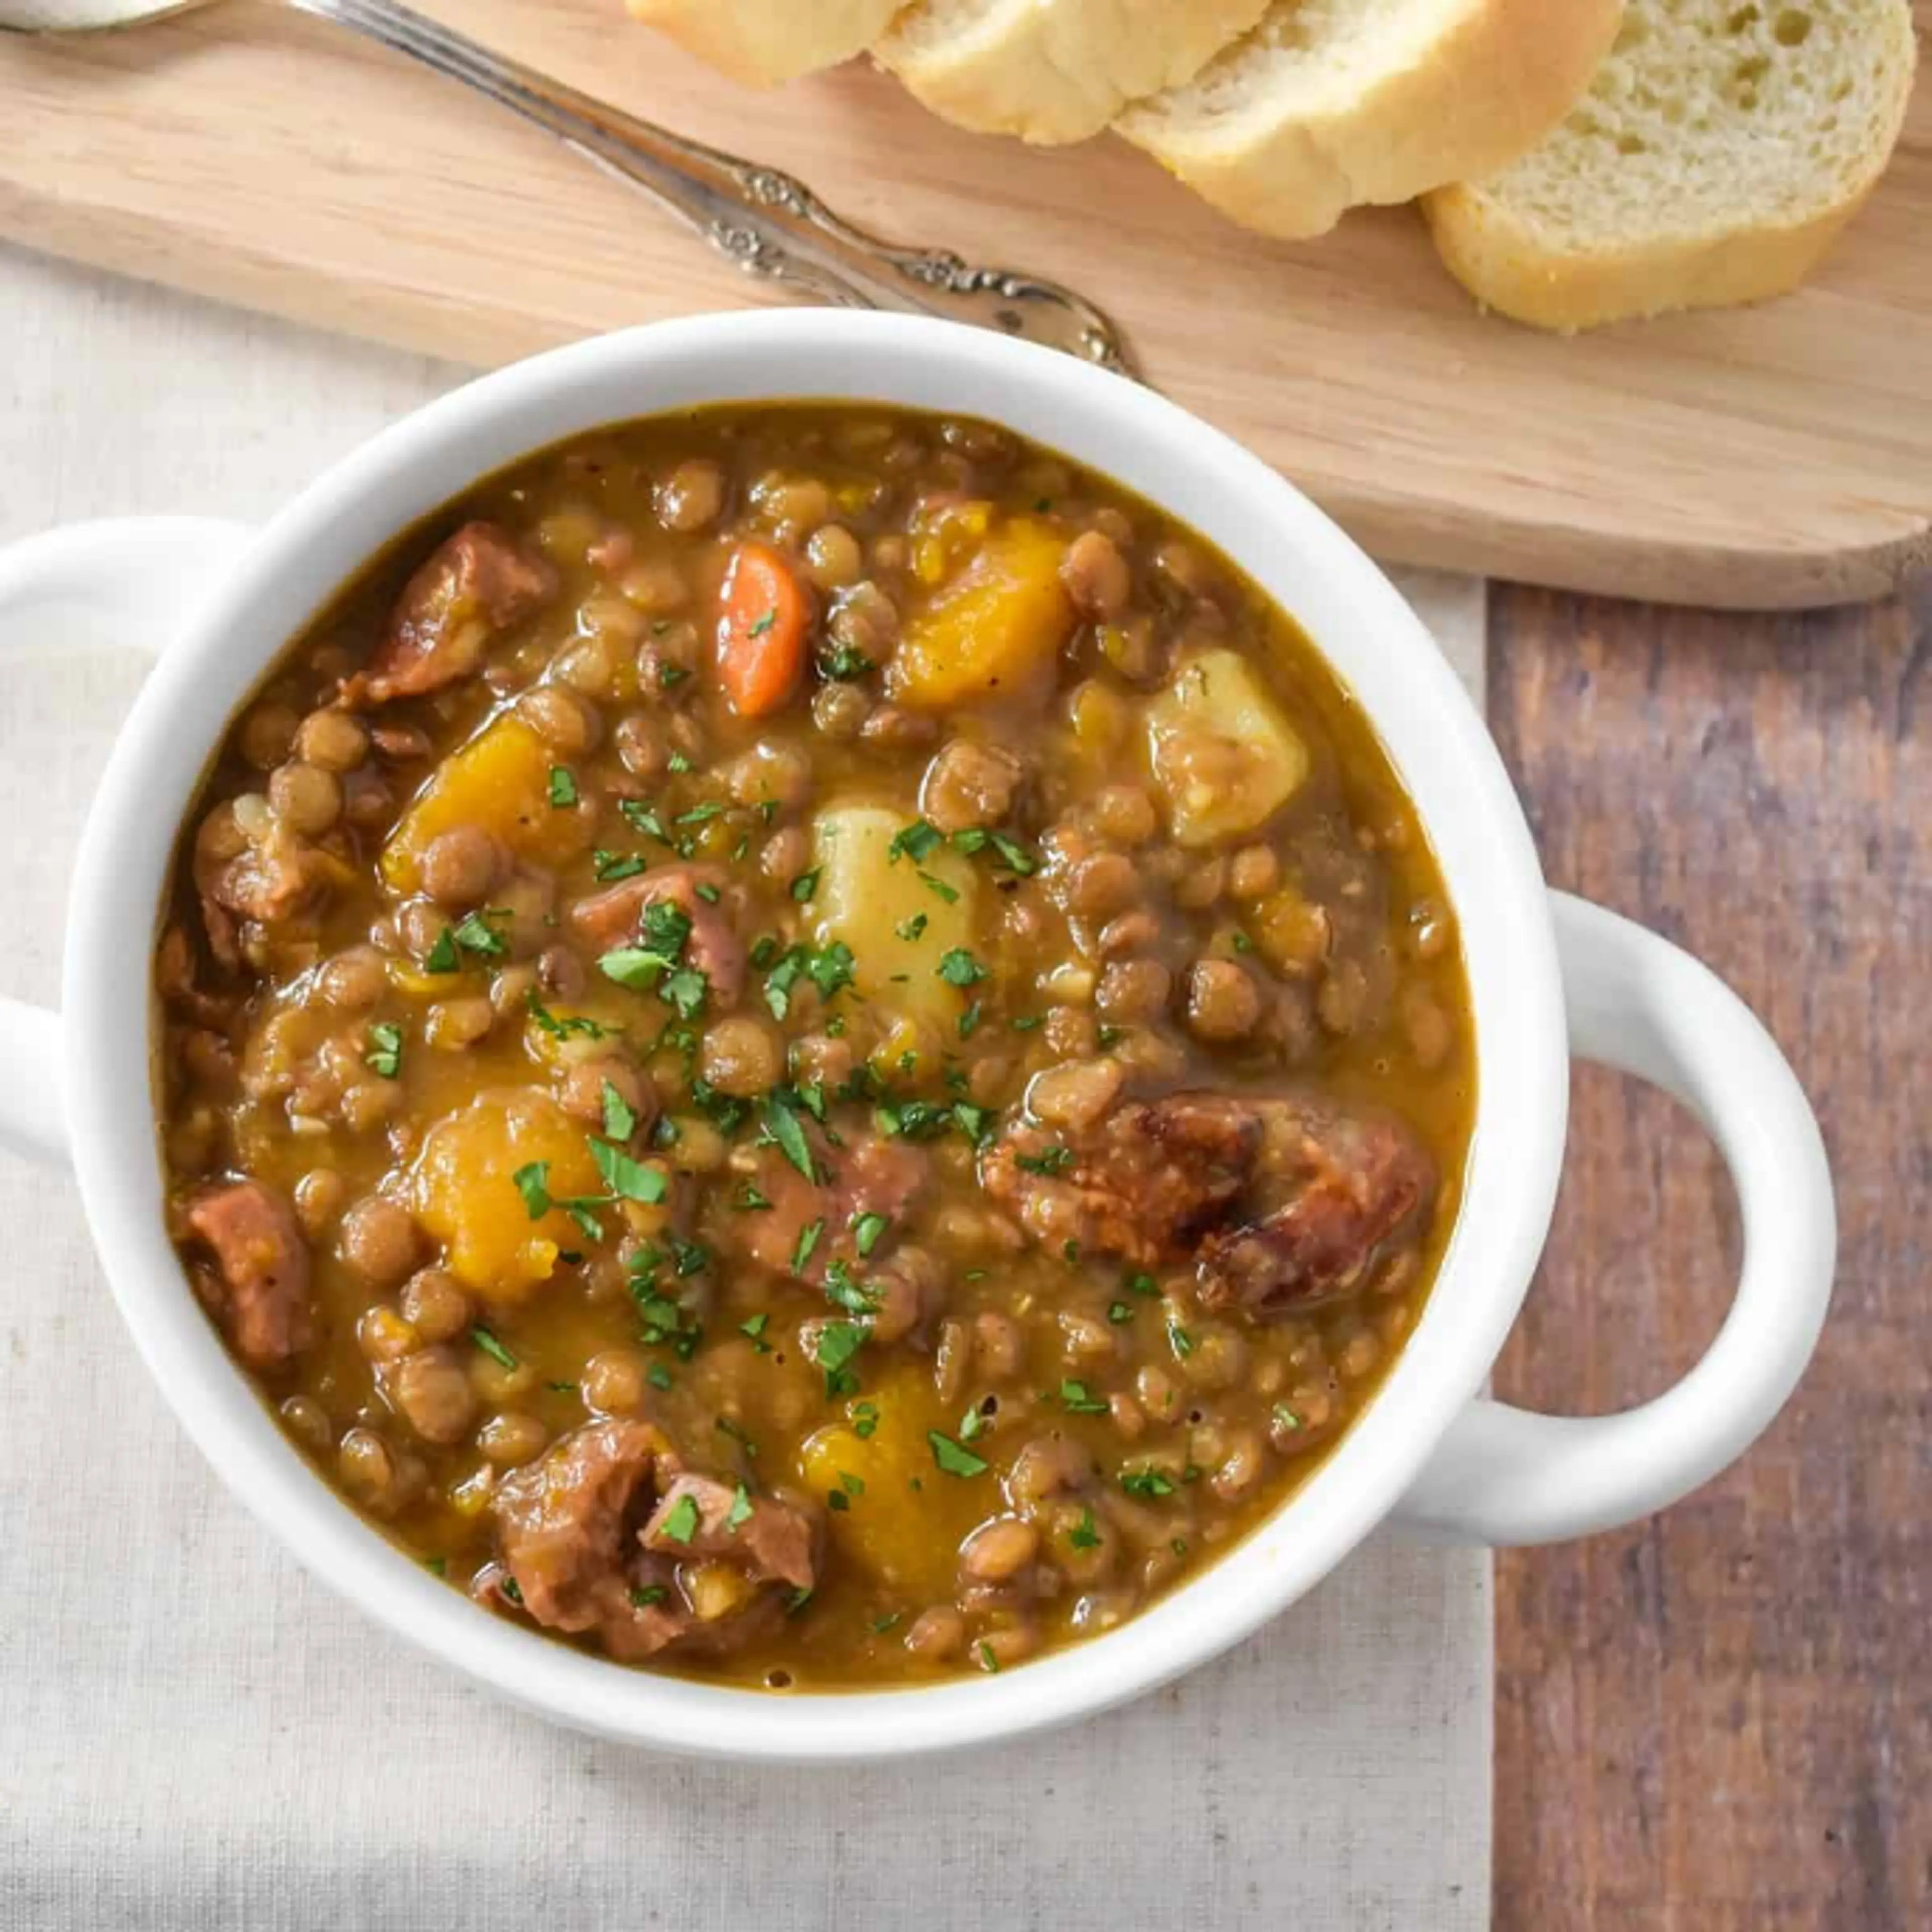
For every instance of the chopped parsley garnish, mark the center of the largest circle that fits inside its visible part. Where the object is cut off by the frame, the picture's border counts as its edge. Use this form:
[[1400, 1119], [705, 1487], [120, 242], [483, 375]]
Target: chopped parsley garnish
[[441, 957], [910, 929], [1119, 1312], [972, 1424], [1076, 1400], [658, 1376], [708, 893], [686, 991], [882, 1624], [677, 763], [511, 1594], [864, 1420], [843, 661], [842, 1291], [914, 842], [750, 1200], [561, 1388], [612, 866], [808, 1239], [383, 1054], [949, 893], [797, 1601], [645, 818], [670, 675], [959, 968], [547, 1022], [1109, 1036], [437, 1566], [563, 787], [1149, 1482], [954, 1460], [866, 1229], [1010, 853], [1142, 1284], [787, 1130], [532, 1183], [620, 1122], [806, 884], [491, 1347], [1026, 1022], [1285, 1417], [700, 814], [1179, 1339], [1242, 942], [833, 1346], [1179, 1545], [1049, 1160], [754, 1326], [969, 1021], [627, 1179], [1083, 1535], [764, 623], [989, 1662], [692, 1257], [474, 934], [643, 1598], [680, 1522], [740, 1513]]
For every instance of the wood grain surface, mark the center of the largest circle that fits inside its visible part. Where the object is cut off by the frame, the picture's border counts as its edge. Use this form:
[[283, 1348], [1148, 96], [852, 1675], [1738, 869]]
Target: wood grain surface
[[1721, 1721], [1778, 455]]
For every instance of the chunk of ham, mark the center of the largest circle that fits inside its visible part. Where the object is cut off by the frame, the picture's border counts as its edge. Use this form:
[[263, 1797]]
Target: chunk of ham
[[615, 918], [1281, 1202], [871, 1176], [771, 1542], [259, 1286], [470, 590]]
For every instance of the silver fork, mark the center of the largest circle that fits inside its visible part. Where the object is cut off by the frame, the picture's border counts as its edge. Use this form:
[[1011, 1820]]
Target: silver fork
[[767, 221]]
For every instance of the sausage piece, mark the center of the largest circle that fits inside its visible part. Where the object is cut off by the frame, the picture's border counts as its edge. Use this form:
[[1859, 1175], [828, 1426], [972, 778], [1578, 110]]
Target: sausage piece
[[474, 587], [262, 1271]]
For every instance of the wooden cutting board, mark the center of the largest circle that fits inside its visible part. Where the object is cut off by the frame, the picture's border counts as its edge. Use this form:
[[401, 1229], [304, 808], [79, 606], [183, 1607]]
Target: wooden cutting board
[[1777, 456]]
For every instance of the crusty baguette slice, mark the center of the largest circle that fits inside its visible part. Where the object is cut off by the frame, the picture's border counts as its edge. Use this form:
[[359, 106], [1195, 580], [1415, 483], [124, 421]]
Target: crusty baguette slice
[[1720, 150], [1327, 103], [764, 42], [1053, 70]]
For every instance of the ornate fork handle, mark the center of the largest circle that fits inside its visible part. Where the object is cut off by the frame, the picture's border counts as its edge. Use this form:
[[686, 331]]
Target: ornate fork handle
[[769, 223]]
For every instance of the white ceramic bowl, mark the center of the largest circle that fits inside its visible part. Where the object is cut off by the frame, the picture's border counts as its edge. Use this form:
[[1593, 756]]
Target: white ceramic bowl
[[1428, 1452]]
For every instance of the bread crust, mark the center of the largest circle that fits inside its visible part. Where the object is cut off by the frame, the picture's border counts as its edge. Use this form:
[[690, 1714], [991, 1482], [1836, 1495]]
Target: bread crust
[[1496, 77], [1505, 257], [1059, 70], [764, 43]]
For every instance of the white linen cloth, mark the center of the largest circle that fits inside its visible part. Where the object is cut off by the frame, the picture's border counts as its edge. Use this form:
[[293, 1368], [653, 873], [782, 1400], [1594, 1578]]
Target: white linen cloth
[[195, 1734]]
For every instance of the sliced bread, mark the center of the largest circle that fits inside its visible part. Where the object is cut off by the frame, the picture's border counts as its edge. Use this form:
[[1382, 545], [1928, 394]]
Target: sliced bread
[[1053, 70], [1327, 103], [763, 42], [1720, 148]]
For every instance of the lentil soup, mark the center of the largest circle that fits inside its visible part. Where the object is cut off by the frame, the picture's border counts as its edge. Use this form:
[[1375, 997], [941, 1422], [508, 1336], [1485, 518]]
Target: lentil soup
[[807, 1046]]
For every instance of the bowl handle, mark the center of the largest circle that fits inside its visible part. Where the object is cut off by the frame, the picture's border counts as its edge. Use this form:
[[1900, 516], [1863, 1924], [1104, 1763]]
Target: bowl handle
[[1637, 1002], [132, 580]]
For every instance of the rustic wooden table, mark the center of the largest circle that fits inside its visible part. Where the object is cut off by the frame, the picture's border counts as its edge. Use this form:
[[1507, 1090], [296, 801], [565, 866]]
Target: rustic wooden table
[[1721, 1720]]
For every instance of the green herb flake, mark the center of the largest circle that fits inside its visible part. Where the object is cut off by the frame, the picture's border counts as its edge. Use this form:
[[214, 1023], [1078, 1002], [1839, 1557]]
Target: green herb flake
[[643, 1597], [1048, 1161], [910, 929], [959, 968], [843, 662], [561, 1388], [383, 1053], [972, 1424], [1179, 1340], [677, 763], [708, 893], [740, 1513], [1179, 1545], [764, 623], [1084, 1535], [806, 884], [783, 1124], [913, 841], [882, 1624], [1285, 1418], [1075, 1399], [866, 1229], [864, 1420], [808, 1239], [680, 1521], [833, 1346], [644, 817], [620, 1122], [969, 1021], [442, 956], [670, 675], [437, 1566], [507, 1585], [797, 1601], [474, 934], [627, 1179], [989, 1662], [532, 1183], [949, 893], [1119, 1312], [1149, 1483], [1142, 1284], [1242, 942], [1027, 1022], [544, 1021], [612, 866], [658, 1376], [750, 1200], [563, 787], [951, 1458], [491, 1347]]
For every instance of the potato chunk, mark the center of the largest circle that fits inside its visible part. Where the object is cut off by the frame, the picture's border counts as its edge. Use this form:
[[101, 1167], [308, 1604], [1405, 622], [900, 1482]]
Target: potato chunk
[[500, 780], [1221, 751], [884, 909], [994, 630], [907, 1538], [463, 1189]]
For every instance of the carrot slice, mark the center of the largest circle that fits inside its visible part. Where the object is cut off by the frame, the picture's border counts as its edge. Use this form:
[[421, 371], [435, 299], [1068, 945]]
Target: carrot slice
[[761, 630]]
